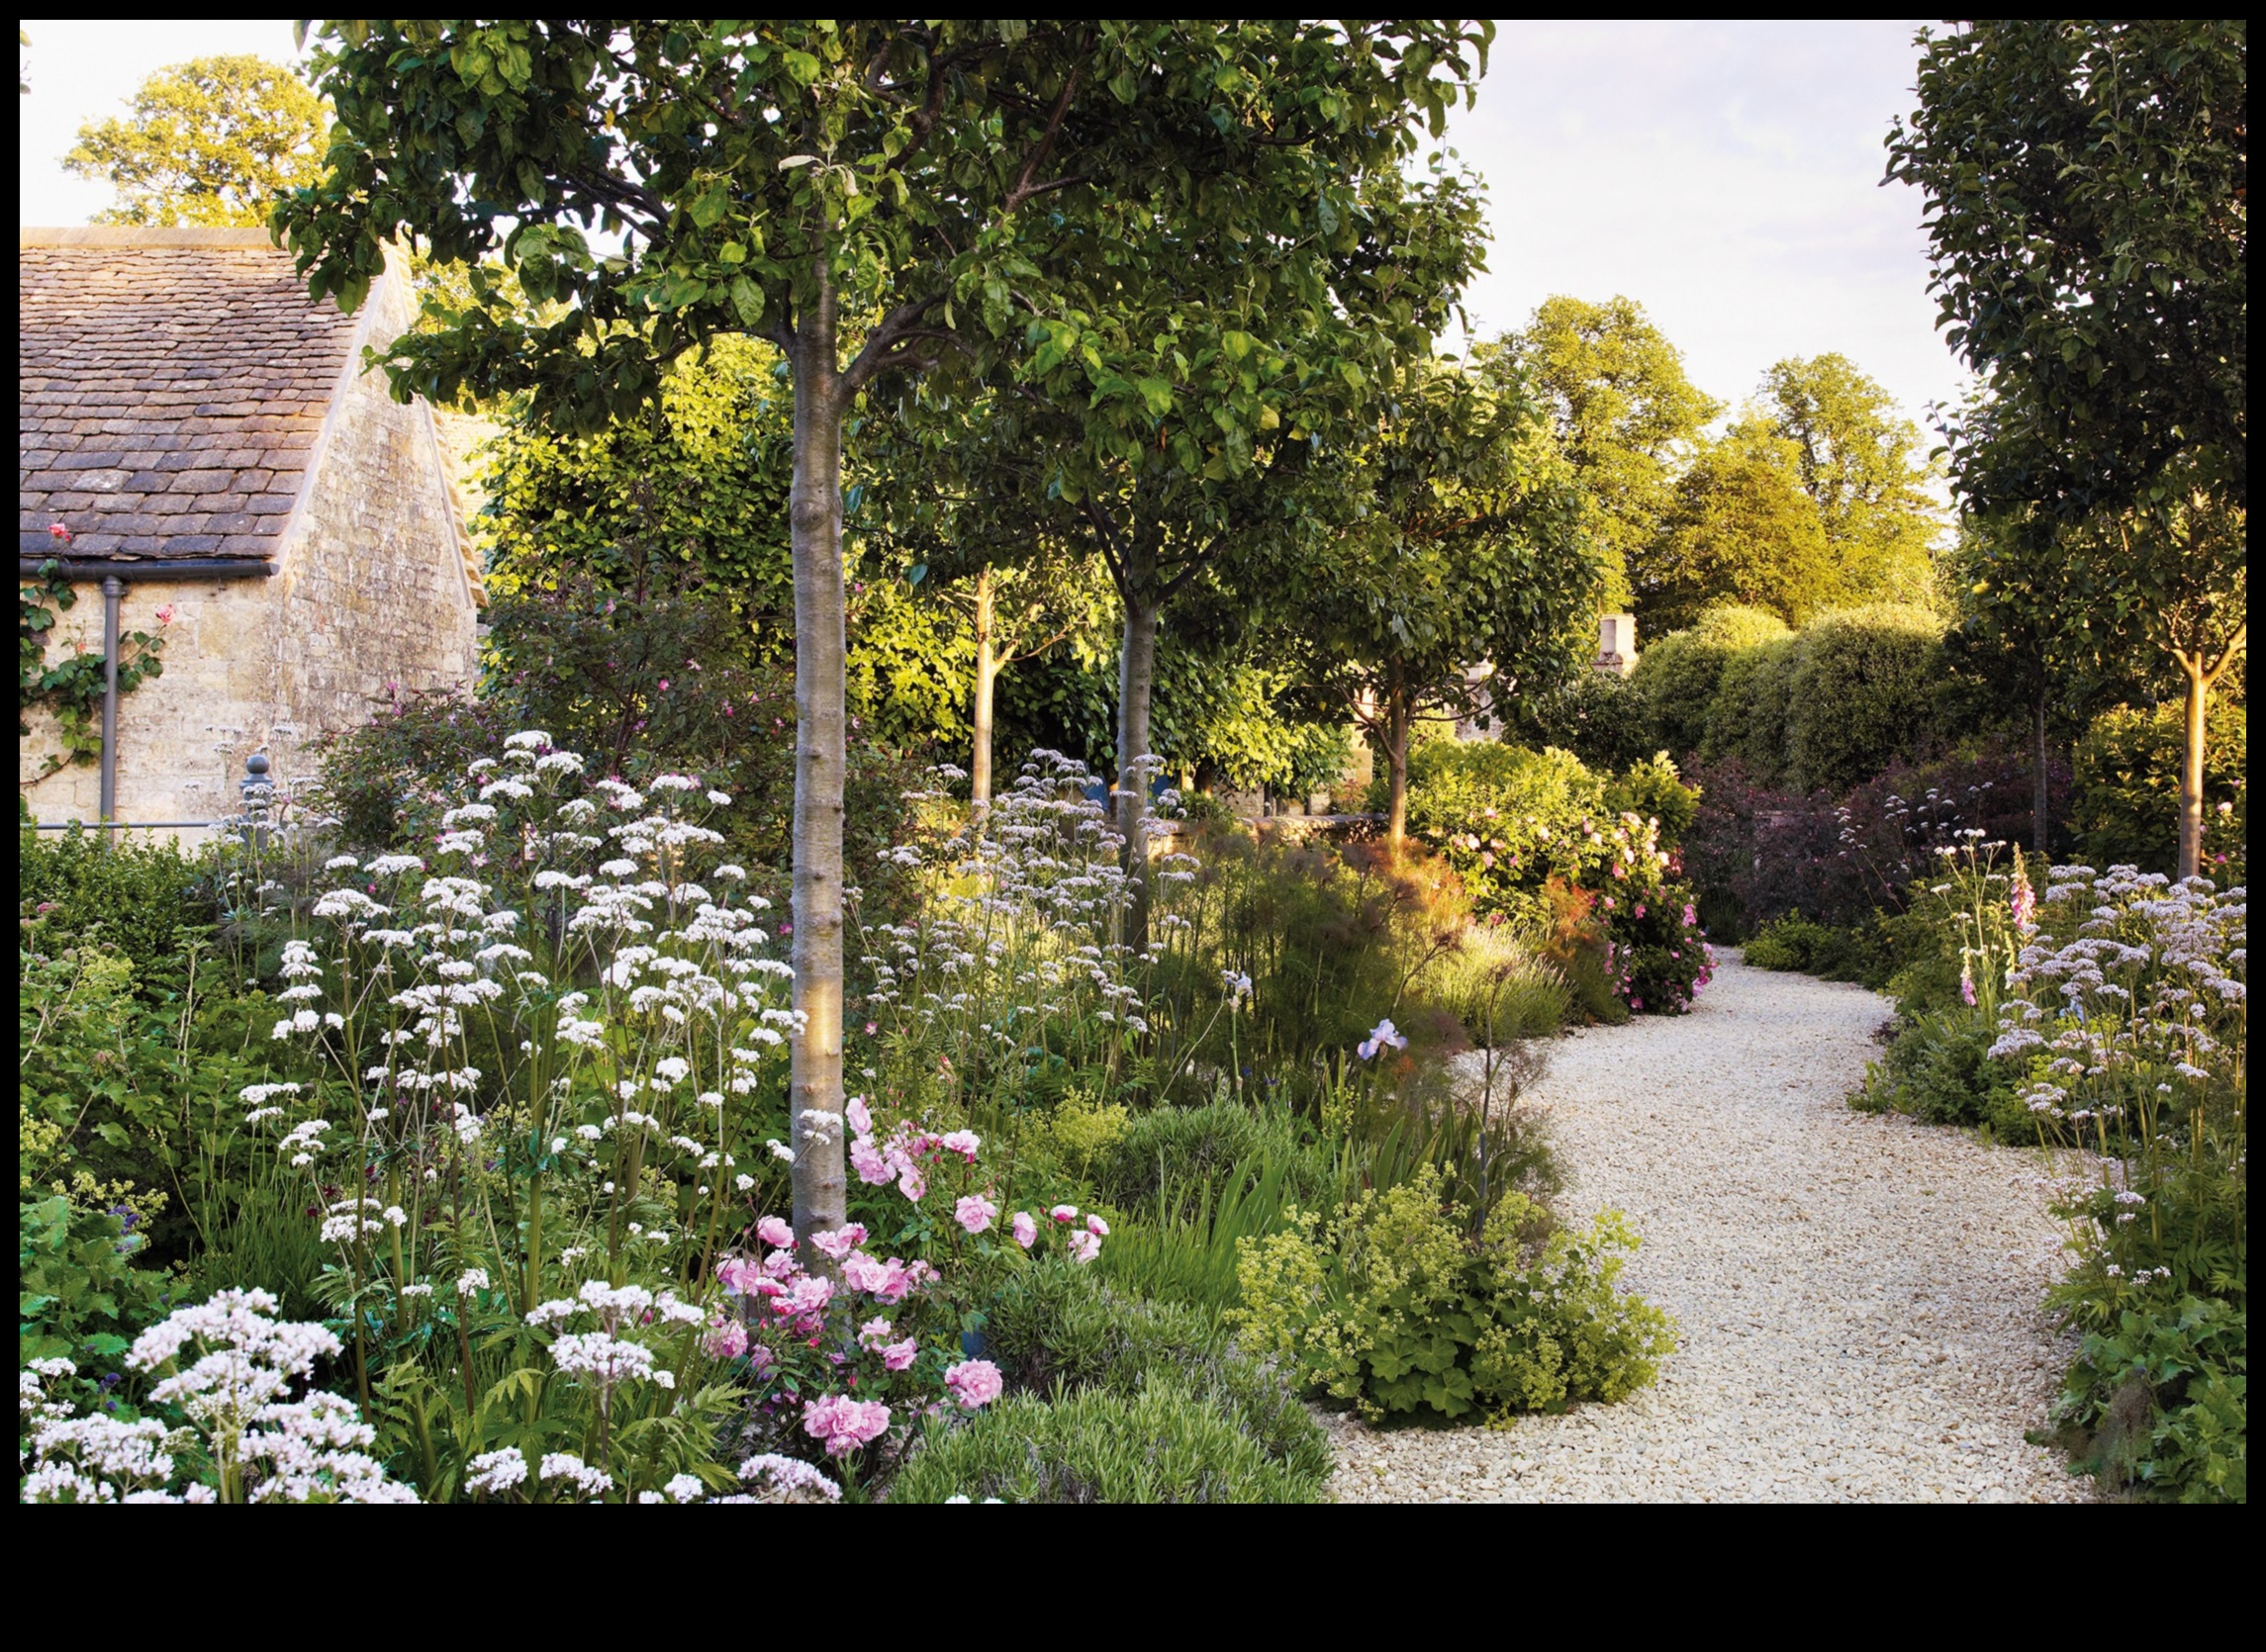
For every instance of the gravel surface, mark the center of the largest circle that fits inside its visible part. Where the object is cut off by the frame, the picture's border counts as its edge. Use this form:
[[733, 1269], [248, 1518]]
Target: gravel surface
[[1858, 1296]]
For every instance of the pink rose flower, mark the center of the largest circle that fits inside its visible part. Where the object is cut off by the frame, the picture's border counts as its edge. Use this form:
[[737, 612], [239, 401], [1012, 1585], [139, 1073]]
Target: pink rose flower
[[912, 1184], [1026, 1231], [726, 1340], [884, 1281], [773, 1230], [975, 1383], [165, 613], [899, 1356], [873, 1169], [975, 1213], [844, 1424], [860, 1119], [962, 1141], [837, 1244], [1064, 1213], [1096, 1227], [874, 1331], [1083, 1248], [737, 1273]]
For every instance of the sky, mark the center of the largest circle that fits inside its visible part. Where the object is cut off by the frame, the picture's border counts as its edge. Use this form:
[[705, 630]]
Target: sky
[[1724, 175]]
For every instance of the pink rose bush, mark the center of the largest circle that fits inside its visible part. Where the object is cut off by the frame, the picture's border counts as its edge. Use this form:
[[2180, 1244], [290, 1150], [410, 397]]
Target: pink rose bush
[[850, 1349]]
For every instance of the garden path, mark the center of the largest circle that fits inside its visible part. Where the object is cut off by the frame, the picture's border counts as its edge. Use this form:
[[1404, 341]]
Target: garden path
[[1858, 1296]]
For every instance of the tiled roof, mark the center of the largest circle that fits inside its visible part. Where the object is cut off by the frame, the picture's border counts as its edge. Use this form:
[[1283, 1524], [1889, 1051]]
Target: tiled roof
[[172, 386]]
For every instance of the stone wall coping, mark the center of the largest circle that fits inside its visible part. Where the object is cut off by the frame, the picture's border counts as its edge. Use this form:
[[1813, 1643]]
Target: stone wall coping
[[135, 234]]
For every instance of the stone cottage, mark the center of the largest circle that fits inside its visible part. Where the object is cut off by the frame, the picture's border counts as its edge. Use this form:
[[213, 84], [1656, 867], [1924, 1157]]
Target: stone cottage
[[228, 472]]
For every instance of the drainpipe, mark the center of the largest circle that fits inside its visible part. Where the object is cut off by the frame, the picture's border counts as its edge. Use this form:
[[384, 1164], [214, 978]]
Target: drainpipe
[[29, 564], [112, 589]]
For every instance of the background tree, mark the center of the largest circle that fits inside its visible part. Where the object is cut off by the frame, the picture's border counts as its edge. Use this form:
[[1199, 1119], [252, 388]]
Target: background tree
[[2087, 205], [1736, 527], [1469, 550], [699, 476], [1860, 463], [784, 179], [1625, 414], [1240, 371], [210, 143]]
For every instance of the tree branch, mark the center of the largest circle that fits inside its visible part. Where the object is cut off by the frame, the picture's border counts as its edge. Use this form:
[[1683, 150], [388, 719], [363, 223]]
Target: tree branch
[[1106, 537], [1025, 188], [884, 345]]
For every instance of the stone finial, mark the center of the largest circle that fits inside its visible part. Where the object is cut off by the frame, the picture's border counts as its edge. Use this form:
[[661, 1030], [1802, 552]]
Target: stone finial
[[1617, 643]]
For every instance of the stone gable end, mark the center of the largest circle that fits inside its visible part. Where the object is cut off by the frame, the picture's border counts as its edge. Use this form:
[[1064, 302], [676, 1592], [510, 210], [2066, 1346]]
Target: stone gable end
[[209, 435]]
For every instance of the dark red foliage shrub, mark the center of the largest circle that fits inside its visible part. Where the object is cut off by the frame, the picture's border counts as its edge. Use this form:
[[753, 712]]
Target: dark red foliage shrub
[[1757, 852]]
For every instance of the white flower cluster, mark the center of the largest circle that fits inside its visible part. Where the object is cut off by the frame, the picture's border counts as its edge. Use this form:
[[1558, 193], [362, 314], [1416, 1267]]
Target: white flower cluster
[[263, 1445]]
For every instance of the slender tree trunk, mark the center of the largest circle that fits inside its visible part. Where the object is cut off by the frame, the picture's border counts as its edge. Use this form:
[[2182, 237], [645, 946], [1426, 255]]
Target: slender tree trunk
[[2041, 826], [1136, 679], [1396, 760], [815, 516], [2191, 765], [987, 672]]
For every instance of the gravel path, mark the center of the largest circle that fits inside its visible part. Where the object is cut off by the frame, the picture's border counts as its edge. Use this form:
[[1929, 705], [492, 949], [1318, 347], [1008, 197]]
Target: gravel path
[[1858, 1296]]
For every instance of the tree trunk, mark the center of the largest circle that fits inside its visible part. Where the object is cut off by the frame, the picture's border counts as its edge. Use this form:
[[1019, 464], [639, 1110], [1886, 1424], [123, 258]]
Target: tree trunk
[[2191, 765], [815, 516], [987, 672], [1136, 678], [2040, 800], [1396, 761]]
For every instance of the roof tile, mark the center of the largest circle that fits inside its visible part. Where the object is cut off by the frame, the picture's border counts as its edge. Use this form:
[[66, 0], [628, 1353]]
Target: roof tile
[[170, 386]]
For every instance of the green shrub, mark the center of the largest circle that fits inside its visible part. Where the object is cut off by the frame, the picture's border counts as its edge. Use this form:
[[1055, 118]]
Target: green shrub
[[79, 1295], [1395, 1306], [1861, 694], [1863, 952], [1516, 825], [1060, 1328], [1157, 1445], [143, 898], [1651, 788], [1184, 1153], [1746, 720], [1603, 718], [2129, 786], [2160, 1403], [126, 1102], [1679, 674], [1937, 1069], [1785, 944]]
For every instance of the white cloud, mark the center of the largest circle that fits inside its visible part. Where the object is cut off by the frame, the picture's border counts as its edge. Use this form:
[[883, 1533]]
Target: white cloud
[[1725, 175]]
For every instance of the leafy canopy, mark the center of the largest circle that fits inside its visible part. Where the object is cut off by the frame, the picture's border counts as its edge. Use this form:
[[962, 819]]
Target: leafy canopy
[[750, 167], [1736, 528], [2086, 184], [1470, 546], [210, 144], [1861, 465], [1624, 411]]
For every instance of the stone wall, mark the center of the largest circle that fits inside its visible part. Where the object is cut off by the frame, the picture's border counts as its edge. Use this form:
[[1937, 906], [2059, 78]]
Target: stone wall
[[373, 595]]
